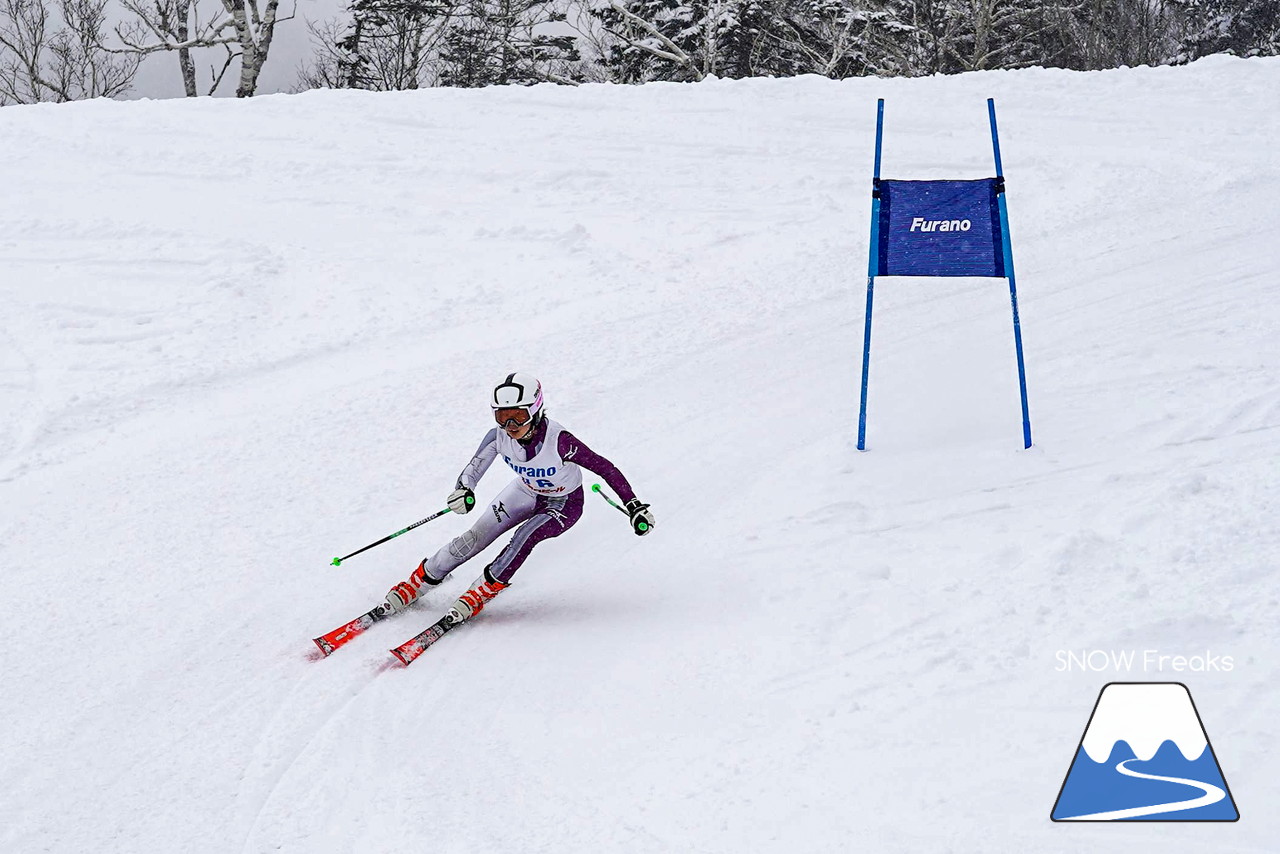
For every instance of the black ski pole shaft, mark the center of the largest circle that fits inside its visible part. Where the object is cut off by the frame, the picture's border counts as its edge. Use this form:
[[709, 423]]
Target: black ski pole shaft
[[595, 487], [337, 561]]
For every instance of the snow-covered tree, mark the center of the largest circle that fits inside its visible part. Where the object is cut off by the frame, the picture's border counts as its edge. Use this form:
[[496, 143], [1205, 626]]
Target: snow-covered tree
[[663, 39], [1111, 33], [838, 38], [394, 44], [674, 40], [1240, 27], [989, 34], [635, 41], [500, 42], [407, 44]]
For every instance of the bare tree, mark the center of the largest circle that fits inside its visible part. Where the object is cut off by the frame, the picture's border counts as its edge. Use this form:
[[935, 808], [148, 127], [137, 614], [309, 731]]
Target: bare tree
[[177, 25], [254, 32], [324, 70], [62, 60], [23, 45], [409, 44], [174, 25]]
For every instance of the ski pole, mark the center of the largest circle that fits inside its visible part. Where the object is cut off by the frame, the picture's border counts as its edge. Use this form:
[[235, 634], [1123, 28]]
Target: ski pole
[[337, 561], [595, 487]]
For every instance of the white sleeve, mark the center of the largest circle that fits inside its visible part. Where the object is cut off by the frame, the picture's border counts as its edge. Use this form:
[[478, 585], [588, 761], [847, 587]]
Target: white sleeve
[[480, 462]]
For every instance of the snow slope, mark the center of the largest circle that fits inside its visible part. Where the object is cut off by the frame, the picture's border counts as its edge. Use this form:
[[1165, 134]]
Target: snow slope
[[240, 338]]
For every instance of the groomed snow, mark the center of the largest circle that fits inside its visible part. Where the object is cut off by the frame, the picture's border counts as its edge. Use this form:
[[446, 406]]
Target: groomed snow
[[240, 338]]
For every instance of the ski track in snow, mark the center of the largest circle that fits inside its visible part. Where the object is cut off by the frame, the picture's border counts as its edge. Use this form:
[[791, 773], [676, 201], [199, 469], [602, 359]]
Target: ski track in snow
[[220, 369]]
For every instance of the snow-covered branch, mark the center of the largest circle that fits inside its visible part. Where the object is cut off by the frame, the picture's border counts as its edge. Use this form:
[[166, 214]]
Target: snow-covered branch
[[668, 50]]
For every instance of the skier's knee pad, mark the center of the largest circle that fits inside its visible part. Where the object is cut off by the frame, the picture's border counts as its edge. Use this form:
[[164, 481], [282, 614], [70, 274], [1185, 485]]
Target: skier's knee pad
[[462, 547]]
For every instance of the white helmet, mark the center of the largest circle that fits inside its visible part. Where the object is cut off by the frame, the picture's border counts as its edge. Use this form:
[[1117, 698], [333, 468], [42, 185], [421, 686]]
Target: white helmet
[[516, 394]]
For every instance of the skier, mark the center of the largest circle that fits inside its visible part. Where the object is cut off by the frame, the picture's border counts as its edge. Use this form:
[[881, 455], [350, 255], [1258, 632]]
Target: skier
[[544, 500]]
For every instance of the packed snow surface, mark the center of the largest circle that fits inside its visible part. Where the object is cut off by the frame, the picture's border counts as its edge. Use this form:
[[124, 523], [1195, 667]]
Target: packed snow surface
[[242, 337]]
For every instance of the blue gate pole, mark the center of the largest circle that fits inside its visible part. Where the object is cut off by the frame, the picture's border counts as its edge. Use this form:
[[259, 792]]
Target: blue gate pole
[[1008, 266], [873, 269]]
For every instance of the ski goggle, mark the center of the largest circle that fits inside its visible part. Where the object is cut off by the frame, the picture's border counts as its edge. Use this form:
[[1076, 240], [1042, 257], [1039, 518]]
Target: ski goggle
[[513, 417]]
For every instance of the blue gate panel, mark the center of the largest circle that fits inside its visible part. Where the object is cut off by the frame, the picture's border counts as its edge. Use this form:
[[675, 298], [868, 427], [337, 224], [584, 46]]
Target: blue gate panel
[[940, 228]]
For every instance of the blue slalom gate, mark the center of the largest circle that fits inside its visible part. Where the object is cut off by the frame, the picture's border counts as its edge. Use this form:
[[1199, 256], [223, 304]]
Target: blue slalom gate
[[942, 229]]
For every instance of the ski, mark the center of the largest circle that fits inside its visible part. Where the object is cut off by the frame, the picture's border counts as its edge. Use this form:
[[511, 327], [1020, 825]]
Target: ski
[[414, 647], [343, 634]]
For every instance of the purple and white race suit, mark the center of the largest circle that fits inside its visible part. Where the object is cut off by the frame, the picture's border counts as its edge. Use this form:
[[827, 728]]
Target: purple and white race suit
[[544, 500]]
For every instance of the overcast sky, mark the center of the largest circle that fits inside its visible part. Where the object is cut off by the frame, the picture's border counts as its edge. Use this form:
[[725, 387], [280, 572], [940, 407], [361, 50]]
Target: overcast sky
[[159, 76]]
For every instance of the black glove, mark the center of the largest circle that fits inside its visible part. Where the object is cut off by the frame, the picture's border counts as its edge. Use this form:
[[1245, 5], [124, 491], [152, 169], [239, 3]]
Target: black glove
[[641, 518], [461, 500]]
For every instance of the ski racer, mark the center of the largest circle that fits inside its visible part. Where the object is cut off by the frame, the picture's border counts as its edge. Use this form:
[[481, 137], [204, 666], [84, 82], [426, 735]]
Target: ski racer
[[543, 501]]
